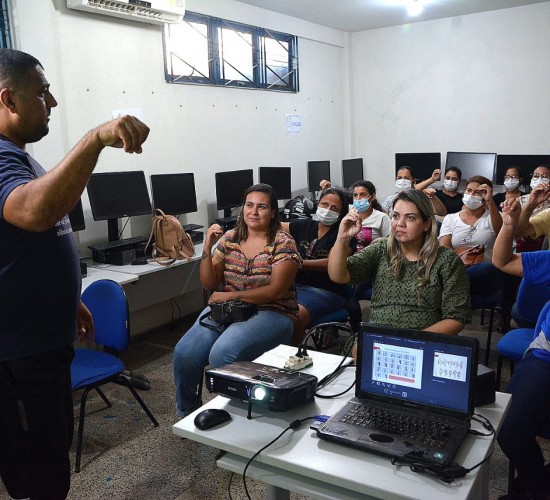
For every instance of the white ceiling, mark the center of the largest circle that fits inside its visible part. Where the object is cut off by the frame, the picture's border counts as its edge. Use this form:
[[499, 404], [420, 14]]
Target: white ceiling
[[360, 15]]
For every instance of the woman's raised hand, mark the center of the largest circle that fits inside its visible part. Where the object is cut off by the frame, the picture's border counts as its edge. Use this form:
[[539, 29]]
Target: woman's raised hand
[[350, 226], [213, 234]]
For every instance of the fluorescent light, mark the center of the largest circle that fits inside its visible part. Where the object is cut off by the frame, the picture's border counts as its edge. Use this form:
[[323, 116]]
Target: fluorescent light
[[415, 7]]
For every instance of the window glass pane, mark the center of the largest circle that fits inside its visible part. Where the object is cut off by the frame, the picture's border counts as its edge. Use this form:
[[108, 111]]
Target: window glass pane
[[188, 49], [276, 60], [208, 50], [236, 55]]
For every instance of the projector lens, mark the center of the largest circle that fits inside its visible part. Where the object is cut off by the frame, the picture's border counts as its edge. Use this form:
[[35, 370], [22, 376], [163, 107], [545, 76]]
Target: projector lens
[[258, 393]]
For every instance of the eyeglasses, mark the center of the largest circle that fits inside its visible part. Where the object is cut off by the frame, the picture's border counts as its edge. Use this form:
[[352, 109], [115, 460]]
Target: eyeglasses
[[539, 176], [469, 236], [511, 177]]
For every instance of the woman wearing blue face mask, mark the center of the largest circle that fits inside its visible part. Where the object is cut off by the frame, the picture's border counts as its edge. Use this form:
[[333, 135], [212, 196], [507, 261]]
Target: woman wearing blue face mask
[[316, 294], [374, 222], [403, 180]]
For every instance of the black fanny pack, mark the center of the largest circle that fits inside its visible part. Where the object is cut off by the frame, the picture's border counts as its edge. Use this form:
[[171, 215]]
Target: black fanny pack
[[223, 314]]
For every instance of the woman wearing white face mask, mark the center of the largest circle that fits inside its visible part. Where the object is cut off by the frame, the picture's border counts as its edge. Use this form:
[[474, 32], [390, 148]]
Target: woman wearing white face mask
[[449, 195], [479, 221], [403, 180], [540, 178], [534, 220], [512, 181], [316, 294]]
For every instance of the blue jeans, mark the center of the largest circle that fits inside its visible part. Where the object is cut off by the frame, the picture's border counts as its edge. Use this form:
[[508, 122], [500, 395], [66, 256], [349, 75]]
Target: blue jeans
[[528, 413], [318, 301], [243, 341]]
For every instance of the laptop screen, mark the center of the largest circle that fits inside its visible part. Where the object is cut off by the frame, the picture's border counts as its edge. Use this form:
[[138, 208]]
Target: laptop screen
[[415, 368]]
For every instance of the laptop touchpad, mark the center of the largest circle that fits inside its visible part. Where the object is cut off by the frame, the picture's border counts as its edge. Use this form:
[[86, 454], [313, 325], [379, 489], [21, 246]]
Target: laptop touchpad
[[381, 438]]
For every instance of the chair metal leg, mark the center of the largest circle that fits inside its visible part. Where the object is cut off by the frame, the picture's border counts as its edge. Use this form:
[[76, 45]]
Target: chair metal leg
[[511, 474], [489, 335], [499, 372], [126, 383], [80, 433], [201, 383], [105, 398]]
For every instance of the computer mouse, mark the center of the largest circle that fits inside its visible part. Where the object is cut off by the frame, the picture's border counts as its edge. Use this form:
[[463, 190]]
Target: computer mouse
[[210, 418], [140, 261]]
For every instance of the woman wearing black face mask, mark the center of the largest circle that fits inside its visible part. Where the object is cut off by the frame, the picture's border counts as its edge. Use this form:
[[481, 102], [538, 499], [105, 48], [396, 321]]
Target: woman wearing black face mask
[[316, 294]]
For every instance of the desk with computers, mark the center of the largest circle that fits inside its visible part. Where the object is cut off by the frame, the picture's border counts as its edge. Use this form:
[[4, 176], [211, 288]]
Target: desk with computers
[[117, 195]]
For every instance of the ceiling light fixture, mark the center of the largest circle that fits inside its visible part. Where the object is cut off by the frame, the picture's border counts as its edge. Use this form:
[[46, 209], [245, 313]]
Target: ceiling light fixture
[[415, 7]]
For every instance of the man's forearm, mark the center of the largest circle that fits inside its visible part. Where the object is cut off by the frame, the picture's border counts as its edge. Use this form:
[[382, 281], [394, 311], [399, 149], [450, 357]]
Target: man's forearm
[[42, 202]]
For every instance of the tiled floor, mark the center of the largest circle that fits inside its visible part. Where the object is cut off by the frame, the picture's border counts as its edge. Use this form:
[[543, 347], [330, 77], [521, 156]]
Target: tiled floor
[[125, 457]]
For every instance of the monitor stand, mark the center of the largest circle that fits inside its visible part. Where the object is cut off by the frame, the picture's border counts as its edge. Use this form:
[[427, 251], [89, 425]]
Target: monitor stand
[[112, 228], [228, 221]]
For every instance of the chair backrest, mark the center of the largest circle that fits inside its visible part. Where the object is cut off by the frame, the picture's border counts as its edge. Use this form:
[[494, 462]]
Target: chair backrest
[[531, 299], [542, 317], [107, 302]]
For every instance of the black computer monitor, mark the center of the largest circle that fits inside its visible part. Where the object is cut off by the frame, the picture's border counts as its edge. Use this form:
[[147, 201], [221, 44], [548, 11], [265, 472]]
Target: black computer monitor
[[316, 172], [352, 171], [118, 194], [279, 179], [76, 216], [472, 164], [230, 188], [174, 194], [422, 164], [526, 163]]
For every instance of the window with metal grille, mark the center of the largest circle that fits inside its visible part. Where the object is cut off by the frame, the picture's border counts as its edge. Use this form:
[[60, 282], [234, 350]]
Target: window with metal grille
[[211, 51], [5, 33]]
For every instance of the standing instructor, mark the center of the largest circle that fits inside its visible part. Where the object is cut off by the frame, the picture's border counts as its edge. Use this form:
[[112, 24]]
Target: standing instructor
[[40, 308]]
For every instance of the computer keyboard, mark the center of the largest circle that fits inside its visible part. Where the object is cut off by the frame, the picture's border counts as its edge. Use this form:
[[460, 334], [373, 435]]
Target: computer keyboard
[[426, 430], [118, 244], [192, 227]]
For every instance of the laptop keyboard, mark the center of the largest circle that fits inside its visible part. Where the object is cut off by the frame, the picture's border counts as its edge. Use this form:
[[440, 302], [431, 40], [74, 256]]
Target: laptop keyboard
[[429, 431]]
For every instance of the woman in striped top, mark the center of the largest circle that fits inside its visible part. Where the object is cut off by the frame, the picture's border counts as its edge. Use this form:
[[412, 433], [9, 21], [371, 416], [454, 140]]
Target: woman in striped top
[[257, 263]]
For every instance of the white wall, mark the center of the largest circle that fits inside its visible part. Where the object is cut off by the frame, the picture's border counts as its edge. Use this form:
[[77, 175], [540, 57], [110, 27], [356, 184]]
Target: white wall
[[97, 63], [471, 83]]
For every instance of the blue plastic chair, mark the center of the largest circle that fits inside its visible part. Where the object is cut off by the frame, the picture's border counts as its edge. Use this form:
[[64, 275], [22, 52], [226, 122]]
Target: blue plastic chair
[[529, 302], [513, 345], [91, 369]]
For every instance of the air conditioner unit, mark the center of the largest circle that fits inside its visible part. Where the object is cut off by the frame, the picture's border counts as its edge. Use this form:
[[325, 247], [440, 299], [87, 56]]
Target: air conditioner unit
[[152, 11]]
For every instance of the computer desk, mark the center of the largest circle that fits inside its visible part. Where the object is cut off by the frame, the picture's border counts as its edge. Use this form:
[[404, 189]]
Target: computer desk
[[302, 463], [151, 285], [95, 274]]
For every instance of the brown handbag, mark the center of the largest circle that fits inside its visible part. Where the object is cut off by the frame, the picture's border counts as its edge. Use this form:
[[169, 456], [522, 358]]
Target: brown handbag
[[171, 242], [470, 255]]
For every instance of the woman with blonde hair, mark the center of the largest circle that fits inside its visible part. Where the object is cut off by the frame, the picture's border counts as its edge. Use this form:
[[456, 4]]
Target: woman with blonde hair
[[416, 283]]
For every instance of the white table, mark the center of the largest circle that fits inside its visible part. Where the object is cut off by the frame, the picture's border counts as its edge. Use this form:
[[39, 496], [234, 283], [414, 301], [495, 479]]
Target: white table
[[150, 267], [95, 274], [303, 463]]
